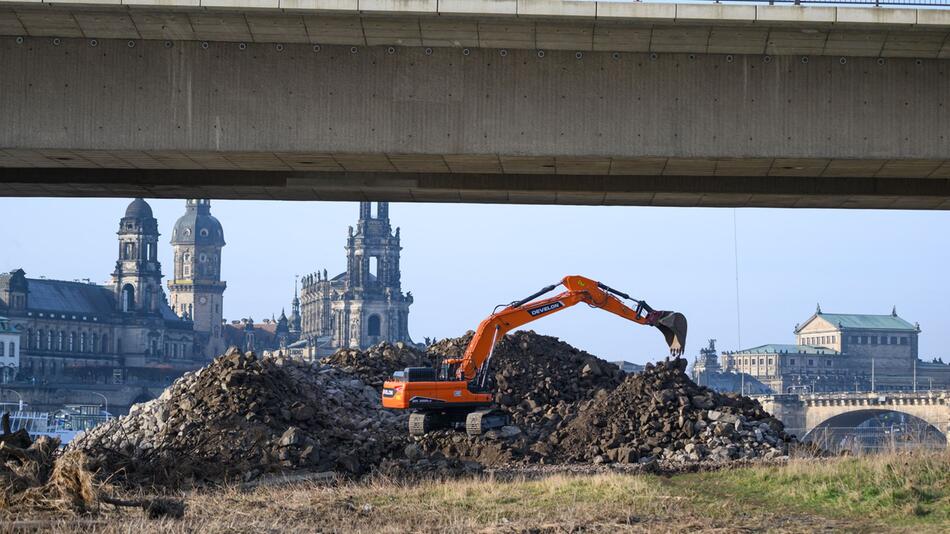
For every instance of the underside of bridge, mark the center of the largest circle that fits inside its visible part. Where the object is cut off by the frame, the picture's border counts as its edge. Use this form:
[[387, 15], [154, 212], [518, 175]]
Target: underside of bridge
[[671, 105]]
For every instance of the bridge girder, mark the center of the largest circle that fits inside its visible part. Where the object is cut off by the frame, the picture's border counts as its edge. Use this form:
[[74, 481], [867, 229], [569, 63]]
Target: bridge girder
[[172, 116]]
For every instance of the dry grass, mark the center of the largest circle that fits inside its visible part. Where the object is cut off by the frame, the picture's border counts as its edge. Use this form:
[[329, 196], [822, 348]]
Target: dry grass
[[886, 493]]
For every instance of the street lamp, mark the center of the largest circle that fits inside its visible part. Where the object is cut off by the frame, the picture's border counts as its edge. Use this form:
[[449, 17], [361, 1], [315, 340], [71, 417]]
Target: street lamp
[[104, 398]]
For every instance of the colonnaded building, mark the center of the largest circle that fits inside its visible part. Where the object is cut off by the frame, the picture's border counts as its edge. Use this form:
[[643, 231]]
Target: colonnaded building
[[363, 305], [125, 331], [835, 352]]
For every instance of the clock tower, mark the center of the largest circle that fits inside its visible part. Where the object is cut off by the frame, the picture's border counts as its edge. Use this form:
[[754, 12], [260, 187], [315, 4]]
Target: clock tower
[[196, 289]]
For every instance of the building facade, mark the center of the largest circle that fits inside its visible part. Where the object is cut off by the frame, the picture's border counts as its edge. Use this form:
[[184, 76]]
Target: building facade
[[81, 332], [196, 290], [707, 371], [365, 304], [842, 352], [9, 350]]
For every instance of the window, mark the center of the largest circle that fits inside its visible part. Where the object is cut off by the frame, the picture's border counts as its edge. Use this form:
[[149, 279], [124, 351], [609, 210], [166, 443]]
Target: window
[[791, 361], [761, 361], [770, 361], [883, 340], [204, 232], [854, 339], [903, 340], [811, 362], [893, 340], [834, 339], [1, 350], [49, 341], [373, 326], [374, 266], [82, 342], [128, 298], [59, 341], [827, 363], [72, 341]]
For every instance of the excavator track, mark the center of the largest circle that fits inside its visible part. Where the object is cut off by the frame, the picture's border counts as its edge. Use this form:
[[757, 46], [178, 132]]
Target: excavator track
[[481, 421], [421, 423]]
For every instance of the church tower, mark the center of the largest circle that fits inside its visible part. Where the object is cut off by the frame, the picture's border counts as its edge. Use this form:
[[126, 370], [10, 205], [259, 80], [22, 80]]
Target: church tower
[[374, 308], [197, 291], [137, 278]]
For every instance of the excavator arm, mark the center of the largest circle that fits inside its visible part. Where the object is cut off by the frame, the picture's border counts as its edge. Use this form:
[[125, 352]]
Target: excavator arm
[[578, 289]]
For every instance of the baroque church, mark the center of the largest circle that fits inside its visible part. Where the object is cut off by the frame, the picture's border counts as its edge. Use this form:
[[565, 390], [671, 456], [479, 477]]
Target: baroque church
[[363, 305], [125, 331]]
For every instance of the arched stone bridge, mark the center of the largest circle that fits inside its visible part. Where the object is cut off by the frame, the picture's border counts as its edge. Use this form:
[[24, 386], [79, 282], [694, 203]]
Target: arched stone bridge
[[802, 414]]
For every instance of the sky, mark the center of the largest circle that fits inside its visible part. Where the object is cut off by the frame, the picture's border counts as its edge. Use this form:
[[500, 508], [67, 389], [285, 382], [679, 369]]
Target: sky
[[460, 260]]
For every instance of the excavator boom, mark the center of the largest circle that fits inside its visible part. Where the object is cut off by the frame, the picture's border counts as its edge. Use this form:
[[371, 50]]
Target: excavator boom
[[462, 386]]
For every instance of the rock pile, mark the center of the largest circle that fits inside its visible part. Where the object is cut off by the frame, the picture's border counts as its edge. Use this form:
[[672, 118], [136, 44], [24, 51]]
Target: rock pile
[[539, 381], [661, 416], [242, 416], [376, 364], [568, 406], [538, 378]]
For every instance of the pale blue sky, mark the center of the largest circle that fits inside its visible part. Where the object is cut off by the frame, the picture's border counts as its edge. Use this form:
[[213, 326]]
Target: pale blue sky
[[460, 260]]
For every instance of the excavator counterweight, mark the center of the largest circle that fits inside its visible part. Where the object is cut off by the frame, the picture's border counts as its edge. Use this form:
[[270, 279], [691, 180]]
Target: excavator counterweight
[[458, 394]]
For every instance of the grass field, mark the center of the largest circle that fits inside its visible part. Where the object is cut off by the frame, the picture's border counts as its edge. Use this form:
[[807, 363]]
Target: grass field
[[895, 492]]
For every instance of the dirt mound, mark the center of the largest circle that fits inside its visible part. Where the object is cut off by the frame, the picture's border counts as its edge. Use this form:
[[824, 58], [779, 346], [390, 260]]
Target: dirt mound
[[376, 364], [661, 415], [242, 416], [568, 406], [539, 382], [538, 377]]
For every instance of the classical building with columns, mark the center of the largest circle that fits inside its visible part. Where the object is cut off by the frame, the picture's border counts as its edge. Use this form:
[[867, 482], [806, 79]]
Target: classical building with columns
[[842, 352], [363, 305]]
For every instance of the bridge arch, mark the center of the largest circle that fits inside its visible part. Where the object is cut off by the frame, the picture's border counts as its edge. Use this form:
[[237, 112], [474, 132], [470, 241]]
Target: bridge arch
[[875, 428]]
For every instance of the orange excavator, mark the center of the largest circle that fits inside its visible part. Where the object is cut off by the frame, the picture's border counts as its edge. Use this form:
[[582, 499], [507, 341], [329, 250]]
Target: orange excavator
[[458, 394]]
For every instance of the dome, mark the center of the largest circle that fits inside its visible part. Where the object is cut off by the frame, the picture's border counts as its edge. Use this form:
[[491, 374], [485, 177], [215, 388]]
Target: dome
[[138, 209], [197, 226]]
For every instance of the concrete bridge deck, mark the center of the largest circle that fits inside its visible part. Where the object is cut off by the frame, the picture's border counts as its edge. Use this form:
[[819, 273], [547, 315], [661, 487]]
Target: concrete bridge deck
[[536, 101], [515, 24]]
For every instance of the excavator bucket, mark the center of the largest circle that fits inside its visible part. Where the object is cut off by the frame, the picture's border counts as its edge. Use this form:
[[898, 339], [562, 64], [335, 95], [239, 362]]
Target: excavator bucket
[[673, 326]]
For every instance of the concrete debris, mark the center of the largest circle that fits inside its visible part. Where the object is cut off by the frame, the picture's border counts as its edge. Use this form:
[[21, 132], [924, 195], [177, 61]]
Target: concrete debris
[[376, 364], [241, 417], [662, 415], [573, 407]]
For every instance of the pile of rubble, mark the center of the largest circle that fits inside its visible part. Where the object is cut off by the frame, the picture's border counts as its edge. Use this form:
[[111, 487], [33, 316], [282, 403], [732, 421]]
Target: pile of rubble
[[241, 417], [567, 406], [661, 416], [539, 381], [538, 378], [376, 364]]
